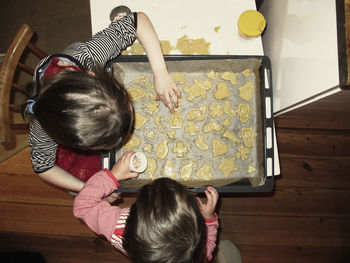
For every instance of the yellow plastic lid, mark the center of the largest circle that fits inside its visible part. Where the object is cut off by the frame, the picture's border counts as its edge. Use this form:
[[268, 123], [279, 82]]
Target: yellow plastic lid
[[251, 23]]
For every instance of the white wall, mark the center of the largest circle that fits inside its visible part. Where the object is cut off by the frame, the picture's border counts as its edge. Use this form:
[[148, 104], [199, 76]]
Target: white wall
[[301, 41]]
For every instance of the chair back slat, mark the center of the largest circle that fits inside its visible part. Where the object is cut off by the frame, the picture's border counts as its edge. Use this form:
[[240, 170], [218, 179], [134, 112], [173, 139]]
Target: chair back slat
[[8, 84]]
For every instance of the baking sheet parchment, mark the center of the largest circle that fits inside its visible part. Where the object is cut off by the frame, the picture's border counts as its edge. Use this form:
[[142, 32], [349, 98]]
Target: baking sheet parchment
[[153, 133]]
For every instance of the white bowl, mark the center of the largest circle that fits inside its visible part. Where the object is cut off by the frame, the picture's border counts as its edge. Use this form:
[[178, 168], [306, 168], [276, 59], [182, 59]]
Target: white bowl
[[138, 162]]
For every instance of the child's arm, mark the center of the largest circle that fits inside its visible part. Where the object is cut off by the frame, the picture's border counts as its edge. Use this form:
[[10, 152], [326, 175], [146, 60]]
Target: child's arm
[[211, 219], [61, 178], [166, 88], [89, 205]]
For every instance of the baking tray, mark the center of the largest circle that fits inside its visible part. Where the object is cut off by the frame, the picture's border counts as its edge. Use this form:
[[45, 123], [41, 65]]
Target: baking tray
[[262, 75]]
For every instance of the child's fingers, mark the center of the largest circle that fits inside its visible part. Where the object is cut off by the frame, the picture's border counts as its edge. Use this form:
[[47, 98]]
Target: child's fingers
[[212, 196], [200, 204]]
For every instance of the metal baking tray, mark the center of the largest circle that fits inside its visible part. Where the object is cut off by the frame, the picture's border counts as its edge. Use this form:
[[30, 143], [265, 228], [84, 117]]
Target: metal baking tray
[[125, 68]]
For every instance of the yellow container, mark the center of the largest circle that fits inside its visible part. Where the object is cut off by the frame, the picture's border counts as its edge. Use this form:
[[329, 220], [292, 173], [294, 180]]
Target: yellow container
[[251, 23]]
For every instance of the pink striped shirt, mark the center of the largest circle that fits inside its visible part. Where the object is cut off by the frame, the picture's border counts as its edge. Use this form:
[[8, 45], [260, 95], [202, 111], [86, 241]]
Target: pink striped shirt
[[109, 221]]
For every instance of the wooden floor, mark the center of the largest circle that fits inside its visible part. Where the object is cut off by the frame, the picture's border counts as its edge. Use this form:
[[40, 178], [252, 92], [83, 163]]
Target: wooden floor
[[305, 219]]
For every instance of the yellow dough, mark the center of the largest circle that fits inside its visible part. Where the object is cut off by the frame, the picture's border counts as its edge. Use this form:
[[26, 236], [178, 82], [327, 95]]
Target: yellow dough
[[248, 135], [222, 91], [179, 78], [136, 93], [158, 123], [169, 169], [195, 114], [197, 89], [175, 120], [246, 72], [244, 111], [144, 80], [180, 149], [151, 167], [166, 46], [135, 49], [229, 76], [246, 91], [201, 144], [147, 148], [133, 142], [229, 110], [189, 46], [212, 75], [227, 122], [251, 169], [162, 149], [151, 135], [212, 126], [205, 172], [217, 28], [187, 170], [152, 107], [229, 135], [191, 128], [171, 134], [227, 165], [216, 110], [140, 120], [243, 152], [219, 148]]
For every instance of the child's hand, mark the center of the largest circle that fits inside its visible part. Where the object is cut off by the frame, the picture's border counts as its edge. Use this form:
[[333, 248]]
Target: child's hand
[[121, 169], [167, 90], [208, 209]]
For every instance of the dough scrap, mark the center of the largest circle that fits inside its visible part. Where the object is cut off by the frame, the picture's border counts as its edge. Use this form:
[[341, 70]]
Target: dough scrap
[[205, 172], [189, 46], [246, 91], [229, 76], [244, 111], [248, 135], [197, 89], [227, 165], [140, 120], [162, 149], [243, 152], [201, 144], [187, 170], [179, 78], [222, 91], [133, 142], [151, 167], [216, 110], [212, 126], [180, 149], [191, 128], [219, 148]]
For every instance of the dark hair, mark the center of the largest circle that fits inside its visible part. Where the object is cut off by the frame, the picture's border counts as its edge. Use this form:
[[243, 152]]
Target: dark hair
[[82, 110], [165, 225]]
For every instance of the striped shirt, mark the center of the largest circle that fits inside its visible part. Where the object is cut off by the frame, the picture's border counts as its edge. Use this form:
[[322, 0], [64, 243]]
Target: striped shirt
[[102, 47], [109, 221]]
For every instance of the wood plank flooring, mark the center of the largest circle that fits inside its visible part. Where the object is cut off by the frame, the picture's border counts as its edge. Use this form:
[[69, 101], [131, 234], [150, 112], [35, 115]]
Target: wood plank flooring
[[305, 219]]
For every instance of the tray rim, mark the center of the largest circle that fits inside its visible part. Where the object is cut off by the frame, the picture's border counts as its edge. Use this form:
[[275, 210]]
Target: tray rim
[[242, 186]]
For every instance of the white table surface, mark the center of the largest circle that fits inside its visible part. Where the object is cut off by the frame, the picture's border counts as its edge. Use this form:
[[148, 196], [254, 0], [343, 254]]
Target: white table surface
[[195, 18]]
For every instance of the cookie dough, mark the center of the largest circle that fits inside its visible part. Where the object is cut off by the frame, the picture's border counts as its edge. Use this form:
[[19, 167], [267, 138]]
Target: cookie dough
[[227, 165]]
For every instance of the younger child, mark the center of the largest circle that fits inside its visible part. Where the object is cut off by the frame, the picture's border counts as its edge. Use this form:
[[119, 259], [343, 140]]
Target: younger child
[[167, 223], [77, 104]]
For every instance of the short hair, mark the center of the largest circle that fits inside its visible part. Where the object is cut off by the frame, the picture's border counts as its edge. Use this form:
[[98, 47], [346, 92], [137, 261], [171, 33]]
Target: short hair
[[84, 111], [165, 225]]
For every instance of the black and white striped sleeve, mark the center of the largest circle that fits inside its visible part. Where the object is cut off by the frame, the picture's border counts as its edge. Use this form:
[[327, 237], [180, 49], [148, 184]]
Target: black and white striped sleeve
[[42, 148], [106, 44]]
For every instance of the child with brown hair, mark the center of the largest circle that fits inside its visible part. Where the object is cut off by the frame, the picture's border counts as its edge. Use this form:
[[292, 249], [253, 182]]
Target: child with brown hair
[[167, 223], [76, 106]]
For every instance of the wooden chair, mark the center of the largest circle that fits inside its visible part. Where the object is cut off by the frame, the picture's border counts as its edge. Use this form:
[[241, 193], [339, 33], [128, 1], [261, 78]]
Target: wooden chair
[[11, 70]]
